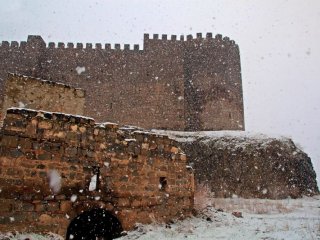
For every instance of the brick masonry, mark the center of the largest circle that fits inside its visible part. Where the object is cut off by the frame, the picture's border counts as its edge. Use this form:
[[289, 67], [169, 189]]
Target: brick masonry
[[191, 83], [142, 176]]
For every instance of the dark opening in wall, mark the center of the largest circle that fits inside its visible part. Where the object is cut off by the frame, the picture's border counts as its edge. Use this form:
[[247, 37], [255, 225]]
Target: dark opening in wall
[[94, 224], [163, 183]]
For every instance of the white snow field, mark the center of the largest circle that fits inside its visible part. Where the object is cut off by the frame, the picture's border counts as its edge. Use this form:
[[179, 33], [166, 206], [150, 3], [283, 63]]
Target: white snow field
[[262, 219]]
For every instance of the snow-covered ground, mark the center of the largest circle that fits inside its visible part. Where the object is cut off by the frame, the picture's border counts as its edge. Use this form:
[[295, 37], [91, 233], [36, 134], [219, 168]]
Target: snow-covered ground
[[262, 219]]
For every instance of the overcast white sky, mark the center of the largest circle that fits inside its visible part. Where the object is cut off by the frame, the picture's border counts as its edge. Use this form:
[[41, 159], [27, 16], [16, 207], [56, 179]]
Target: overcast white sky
[[279, 45]]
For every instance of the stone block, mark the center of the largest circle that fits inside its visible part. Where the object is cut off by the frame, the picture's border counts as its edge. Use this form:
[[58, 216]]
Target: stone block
[[123, 202], [44, 156], [71, 151], [60, 197], [31, 130], [15, 153], [60, 134], [24, 206], [10, 141], [136, 203], [151, 201], [6, 205], [45, 125], [25, 143], [45, 219], [48, 133], [82, 129], [74, 127], [53, 206], [40, 206], [65, 206], [72, 137], [174, 150], [12, 172], [96, 131]]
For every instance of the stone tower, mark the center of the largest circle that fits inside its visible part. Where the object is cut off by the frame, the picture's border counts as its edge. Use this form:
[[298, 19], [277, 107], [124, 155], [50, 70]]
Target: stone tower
[[179, 84]]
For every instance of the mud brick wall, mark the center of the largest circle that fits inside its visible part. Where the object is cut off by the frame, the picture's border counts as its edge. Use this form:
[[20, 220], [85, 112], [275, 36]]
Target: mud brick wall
[[186, 83], [33, 93], [48, 161]]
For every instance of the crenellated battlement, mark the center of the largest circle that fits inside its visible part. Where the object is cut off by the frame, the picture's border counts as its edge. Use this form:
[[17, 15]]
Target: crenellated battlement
[[180, 82], [218, 39], [173, 38], [96, 46], [13, 44], [70, 45]]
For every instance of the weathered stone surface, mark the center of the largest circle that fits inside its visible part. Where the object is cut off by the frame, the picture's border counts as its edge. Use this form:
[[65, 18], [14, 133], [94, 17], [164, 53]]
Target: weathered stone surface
[[46, 181], [181, 85], [251, 167], [34, 93]]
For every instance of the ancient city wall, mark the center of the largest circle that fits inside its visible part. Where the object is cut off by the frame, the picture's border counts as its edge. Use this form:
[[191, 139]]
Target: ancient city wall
[[28, 92], [48, 162], [182, 84], [248, 165]]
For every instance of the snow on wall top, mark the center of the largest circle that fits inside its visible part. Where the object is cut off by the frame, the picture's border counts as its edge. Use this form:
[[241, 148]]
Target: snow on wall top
[[227, 139]]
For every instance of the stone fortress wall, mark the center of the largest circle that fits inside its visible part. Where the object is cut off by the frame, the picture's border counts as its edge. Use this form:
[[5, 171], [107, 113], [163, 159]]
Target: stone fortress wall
[[141, 176], [180, 84], [27, 92]]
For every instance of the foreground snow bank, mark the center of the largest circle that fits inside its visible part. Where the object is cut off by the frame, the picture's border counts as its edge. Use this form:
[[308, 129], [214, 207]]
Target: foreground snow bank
[[262, 219]]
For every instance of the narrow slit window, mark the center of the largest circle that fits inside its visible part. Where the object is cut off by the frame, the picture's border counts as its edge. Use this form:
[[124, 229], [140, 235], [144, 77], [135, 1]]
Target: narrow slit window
[[163, 183]]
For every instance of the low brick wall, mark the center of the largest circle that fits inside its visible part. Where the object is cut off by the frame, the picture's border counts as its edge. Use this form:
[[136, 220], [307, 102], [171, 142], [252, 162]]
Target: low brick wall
[[48, 162]]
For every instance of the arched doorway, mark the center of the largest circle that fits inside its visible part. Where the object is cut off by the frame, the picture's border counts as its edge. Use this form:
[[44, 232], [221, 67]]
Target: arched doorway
[[94, 224]]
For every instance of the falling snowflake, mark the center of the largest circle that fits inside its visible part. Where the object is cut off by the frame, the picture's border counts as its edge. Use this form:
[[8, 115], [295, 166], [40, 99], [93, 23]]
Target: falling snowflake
[[80, 70], [73, 198], [54, 181]]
